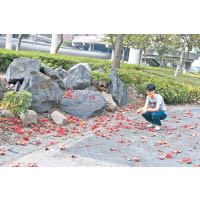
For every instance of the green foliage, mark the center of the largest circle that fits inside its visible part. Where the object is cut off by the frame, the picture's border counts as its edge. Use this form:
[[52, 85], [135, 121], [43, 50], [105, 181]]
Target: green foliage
[[175, 90], [17, 102], [100, 76]]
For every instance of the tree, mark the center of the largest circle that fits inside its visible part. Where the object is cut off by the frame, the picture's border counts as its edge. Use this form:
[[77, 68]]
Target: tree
[[142, 42], [110, 39], [118, 50], [187, 43], [56, 41], [19, 39], [8, 44]]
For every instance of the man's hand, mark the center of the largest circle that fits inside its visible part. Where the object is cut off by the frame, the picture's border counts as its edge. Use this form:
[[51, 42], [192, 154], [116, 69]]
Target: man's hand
[[144, 111], [139, 110]]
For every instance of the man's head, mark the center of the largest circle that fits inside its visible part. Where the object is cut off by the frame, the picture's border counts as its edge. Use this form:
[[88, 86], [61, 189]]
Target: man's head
[[150, 90]]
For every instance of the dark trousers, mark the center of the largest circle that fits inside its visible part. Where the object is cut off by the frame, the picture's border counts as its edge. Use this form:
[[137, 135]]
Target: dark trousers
[[155, 117]]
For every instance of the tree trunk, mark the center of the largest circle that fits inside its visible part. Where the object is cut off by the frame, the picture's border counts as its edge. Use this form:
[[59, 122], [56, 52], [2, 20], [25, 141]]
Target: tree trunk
[[145, 57], [124, 53], [19, 42], [60, 43], [118, 50], [185, 60], [140, 60], [56, 41], [9, 41], [181, 59]]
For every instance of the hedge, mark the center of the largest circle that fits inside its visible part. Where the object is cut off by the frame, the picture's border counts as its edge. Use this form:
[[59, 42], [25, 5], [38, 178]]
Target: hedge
[[175, 90]]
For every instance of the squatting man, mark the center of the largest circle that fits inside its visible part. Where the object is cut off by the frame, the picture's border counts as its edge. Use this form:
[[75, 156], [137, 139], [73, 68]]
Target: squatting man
[[157, 110]]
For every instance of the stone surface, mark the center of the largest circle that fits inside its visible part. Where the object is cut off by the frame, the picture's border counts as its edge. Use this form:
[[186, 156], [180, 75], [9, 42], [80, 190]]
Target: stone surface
[[17, 86], [53, 75], [86, 65], [84, 104], [61, 72], [111, 105], [46, 94], [17, 69], [117, 89], [78, 78], [5, 113], [3, 89], [58, 118], [30, 117]]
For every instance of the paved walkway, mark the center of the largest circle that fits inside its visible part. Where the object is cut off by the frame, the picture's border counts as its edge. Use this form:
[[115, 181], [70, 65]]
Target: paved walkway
[[129, 145]]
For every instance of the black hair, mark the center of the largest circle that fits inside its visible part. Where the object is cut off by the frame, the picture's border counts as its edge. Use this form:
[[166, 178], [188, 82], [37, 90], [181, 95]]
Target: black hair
[[150, 87]]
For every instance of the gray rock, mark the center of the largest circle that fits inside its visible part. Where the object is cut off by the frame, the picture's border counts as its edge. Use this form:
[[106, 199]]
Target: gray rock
[[16, 70], [53, 75], [117, 89], [5, 113], [84, 104], [111, 105], [61, 72], [86, 65], [58, 118], [46, 93], [3, 89], [78, 78], [17, 86], [30, 117]]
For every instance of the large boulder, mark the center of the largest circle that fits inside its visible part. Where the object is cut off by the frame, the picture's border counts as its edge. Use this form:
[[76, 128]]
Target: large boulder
[[86, 65], [46, 93], [78, 78], [53, 75], [61, 72], [84, 104], [3, 89], [17, 69], [117, 89]]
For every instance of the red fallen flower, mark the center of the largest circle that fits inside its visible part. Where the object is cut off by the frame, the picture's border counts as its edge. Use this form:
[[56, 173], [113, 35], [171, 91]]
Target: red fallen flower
[[37, 142], [73, 156], [21, 142], [187, 160], [52, 143], [32, 165], [63, 147], [26, 138], [43, 120], [122, 141], [113, 149], [136, 159], [93, 97], [2, 152], [127, 127], [196, 165], [169, 155], [175, 151], [14, 164], [87, 145]]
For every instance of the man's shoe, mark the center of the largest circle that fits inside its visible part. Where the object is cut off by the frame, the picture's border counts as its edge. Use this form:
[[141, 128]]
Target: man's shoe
[[151, 126], [157, 128]]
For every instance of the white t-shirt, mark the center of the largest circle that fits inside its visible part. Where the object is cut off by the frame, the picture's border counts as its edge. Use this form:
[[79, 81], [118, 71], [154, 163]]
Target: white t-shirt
[[158, 99]]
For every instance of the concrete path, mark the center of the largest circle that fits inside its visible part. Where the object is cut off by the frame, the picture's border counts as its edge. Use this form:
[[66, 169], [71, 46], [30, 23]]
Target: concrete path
[[129, 145]]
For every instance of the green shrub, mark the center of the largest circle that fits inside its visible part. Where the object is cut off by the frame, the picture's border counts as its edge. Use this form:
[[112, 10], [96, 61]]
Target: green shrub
[[17, 102], [175, 90]]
